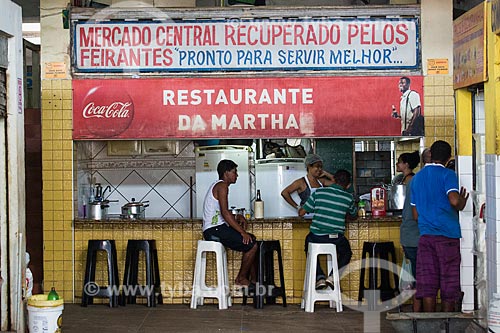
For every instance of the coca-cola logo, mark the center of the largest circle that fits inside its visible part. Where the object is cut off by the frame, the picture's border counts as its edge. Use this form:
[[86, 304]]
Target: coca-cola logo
[[114, 110], [108, 111]]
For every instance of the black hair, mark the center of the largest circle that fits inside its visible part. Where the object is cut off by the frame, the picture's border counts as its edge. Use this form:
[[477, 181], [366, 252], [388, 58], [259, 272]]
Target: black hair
[[342, 177], [225, 165], [441, 151], [406, 78], [411, 158]]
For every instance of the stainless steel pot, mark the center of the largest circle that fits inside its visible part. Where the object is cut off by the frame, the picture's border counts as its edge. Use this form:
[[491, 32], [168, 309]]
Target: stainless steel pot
[[135, 210], [396, 197], [98, 210]]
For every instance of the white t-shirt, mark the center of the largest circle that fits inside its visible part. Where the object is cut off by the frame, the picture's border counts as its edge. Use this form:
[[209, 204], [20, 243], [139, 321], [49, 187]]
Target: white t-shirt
[[410, 100], [212, 216]]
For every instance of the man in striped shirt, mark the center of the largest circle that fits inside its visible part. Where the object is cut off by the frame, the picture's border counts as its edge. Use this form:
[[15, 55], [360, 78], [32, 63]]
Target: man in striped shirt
[[330, 206]]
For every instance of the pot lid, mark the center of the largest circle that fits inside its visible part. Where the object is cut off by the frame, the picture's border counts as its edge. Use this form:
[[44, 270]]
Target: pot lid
[[100, 203], [134, 204]]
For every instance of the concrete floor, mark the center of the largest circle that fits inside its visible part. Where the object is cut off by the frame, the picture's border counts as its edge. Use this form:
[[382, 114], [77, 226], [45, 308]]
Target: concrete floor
[[207, 318]]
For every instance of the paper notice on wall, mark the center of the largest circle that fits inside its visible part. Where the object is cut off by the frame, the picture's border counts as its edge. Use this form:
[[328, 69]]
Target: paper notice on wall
[[55, 70], [437, 66]]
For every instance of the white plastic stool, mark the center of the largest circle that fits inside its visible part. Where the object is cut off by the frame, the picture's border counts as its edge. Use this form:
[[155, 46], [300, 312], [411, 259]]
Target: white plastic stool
[[200, 289], [310, 295]]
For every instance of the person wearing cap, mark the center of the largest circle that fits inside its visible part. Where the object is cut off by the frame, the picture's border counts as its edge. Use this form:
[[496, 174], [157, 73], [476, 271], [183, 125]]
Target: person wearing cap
[[315, 178]]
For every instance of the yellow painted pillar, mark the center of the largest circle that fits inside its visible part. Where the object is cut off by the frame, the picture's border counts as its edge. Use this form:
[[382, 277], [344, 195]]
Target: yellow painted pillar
[[463, 102], [492, 91]]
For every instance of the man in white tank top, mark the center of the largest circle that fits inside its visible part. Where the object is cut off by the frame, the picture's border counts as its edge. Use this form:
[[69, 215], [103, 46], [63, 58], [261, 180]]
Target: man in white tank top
[[220, 225]]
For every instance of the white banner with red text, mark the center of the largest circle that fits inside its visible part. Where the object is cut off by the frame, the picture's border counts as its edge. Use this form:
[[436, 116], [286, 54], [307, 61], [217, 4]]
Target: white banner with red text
[[241, 45]]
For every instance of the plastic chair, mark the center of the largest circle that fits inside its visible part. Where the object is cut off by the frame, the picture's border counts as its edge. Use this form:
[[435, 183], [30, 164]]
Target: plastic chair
[[373, 253], [90, 288], [266, 288], [152, 288], [310, 294], [200, 289]]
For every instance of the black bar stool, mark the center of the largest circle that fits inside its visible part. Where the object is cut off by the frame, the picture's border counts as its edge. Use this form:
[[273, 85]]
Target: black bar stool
[[90, 288], [373, 253], [131, 286], [266, 288]]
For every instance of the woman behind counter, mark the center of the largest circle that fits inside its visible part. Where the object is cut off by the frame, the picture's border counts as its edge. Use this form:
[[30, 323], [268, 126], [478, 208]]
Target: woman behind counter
[[315, 178], [409, 233]]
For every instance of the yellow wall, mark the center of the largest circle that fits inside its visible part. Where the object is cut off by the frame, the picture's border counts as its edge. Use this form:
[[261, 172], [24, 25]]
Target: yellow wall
[[176, 243], [492, 91], [439, 109], [464, 122], [57, 163]]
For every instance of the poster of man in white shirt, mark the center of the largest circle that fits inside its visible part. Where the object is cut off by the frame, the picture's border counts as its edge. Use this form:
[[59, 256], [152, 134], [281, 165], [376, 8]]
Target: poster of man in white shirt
[[410, 110]]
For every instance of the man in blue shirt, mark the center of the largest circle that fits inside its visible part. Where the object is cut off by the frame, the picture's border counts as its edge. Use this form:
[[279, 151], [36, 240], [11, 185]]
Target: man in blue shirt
[[436, 199]]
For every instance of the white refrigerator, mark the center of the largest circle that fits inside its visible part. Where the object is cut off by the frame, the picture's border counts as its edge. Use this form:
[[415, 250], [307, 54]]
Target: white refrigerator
[[207, 159], [272, 176]]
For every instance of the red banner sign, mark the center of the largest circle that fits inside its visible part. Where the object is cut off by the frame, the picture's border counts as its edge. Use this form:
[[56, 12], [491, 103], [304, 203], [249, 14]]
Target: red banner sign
[[237, 107]]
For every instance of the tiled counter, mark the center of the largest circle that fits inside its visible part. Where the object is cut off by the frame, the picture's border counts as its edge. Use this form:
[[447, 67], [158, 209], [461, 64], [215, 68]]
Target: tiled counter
[[176, 241]]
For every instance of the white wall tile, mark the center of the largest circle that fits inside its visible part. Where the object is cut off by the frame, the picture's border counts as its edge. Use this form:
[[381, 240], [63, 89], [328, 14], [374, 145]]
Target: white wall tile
[[468, 301], [492, 245], [467, 240], [465, 181], [467, 277], [467, 258], [465, 172], [466, 224], [163, 180], [496, 160], [464, 165], [480, 126]]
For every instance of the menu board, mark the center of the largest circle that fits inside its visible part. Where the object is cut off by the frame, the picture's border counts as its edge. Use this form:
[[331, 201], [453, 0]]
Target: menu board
[[336, 153]]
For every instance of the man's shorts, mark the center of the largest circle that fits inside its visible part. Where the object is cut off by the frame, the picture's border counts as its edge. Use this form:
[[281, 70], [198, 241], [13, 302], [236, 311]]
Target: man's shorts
[[228, 237], [438, 267]]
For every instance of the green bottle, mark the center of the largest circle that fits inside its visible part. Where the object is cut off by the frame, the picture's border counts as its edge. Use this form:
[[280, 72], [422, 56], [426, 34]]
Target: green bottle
[[53, 296]]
